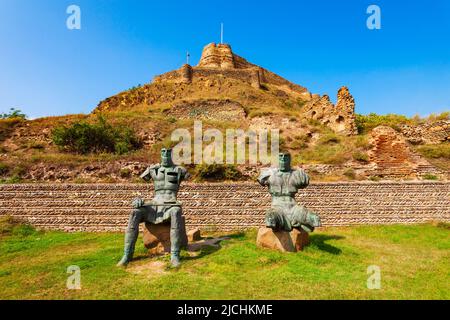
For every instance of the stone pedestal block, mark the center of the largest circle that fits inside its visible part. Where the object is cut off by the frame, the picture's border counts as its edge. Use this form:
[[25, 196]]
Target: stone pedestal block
[[194, 235], [282, 241], [300, 239], [157, 237]]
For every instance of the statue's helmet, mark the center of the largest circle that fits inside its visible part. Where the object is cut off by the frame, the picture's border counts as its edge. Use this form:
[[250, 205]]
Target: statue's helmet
[[166, 157], [284, 160]]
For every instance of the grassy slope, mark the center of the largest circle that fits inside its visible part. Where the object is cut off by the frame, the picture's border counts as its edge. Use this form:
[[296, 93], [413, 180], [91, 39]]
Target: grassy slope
[[414, 263]]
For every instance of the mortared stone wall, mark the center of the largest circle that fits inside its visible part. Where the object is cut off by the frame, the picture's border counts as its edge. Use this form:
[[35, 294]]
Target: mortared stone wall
[[225, 206]]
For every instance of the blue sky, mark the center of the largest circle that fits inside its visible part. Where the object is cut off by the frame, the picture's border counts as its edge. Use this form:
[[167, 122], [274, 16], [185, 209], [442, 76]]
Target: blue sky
[[46, 69]]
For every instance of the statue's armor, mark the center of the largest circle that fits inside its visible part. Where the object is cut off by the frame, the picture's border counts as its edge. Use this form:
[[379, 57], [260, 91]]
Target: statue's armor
[[166, 181], [285, 213], [285, 183]]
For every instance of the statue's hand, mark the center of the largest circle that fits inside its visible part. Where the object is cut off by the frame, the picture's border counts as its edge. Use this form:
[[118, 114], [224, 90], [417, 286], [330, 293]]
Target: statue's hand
[[137, 203]]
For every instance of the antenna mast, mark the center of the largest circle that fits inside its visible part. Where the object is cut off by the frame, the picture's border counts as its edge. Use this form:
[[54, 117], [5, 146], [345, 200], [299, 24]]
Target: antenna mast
[[187, 57], [221, 33]]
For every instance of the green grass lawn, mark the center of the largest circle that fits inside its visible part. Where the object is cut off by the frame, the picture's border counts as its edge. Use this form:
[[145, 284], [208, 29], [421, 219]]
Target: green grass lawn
[[414, 262]]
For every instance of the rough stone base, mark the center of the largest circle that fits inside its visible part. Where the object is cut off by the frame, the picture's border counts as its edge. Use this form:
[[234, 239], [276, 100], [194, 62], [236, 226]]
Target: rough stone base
[[194, 235], [282, 241], [157, 237]]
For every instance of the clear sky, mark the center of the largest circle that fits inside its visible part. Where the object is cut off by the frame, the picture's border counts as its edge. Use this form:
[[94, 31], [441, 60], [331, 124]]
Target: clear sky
[[47, 69]]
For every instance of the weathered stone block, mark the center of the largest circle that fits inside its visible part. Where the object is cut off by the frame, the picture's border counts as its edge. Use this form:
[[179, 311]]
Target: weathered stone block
[[282, 241], [194, 235], [300, 239], [156, 237]]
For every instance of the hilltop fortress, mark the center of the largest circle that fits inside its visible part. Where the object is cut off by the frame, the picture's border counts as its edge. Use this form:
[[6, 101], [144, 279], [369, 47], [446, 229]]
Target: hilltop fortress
[[220, 60], [218, 70]]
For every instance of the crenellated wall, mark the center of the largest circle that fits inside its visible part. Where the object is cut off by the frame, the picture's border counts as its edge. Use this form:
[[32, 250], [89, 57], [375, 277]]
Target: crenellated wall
[[225, 206]]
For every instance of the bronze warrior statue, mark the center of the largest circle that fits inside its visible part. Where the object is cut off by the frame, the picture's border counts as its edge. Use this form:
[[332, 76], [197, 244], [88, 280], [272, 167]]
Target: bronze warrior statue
[[163, 208], [284, 182]]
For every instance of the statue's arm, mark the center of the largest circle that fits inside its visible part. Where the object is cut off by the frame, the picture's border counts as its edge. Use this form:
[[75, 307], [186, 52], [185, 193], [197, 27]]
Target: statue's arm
[[263, 178], [301, 178], [147, 175], [184, 174]]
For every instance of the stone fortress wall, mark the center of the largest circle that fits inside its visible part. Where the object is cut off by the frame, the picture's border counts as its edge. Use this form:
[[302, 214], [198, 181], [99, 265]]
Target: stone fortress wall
[[219, 60], [225, 206]]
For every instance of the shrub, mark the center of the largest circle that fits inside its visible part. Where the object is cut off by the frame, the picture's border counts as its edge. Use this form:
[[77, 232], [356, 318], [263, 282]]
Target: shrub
[[365, 123], [360, 156], [83, 138], [35, 145], [13, 226], [362, 142], [217, 172], [435, 151], [125, 173], [14, 179], [13, 114], [3, 169], [18, 171], [300, 142], [350, 173], [437, 117], [301, 103], [429, 176], [323, 153], [256, 113], [329, 138]]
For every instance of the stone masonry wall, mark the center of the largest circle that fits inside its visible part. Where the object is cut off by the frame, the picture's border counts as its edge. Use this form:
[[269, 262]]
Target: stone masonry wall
[[105, 207]]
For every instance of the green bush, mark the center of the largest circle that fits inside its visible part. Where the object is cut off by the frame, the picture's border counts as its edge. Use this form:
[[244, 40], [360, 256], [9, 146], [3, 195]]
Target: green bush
[[83, 138], [324, 153], [13, 114], [435, 151], [18, 171], [329, 138], [360, 156], [3, 169], [217, 172], [365, 123], [429, 176], [125, 173], [362, 142], [437, 117], [300, 142], [350, 173], [15, 227]]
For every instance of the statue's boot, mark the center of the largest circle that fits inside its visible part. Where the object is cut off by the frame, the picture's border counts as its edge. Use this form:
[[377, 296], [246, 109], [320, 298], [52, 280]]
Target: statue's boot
[[175, 237], [175, 259], [130, 242], [131, 236]]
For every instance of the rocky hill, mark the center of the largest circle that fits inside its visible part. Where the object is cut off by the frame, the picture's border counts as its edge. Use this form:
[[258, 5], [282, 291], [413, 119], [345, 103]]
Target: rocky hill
[[223, 75], [226, 91]]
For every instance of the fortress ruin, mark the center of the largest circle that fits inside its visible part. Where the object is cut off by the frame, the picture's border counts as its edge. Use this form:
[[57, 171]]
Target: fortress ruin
[[219, 60]]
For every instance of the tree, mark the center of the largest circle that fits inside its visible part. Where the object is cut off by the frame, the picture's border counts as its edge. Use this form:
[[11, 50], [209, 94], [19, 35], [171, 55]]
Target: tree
[[13, 113]]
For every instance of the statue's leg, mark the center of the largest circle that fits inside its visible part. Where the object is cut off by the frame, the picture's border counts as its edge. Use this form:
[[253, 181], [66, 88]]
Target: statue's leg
[[305, 219], [272, 219], [175, 235], [277, 220], [131, 235]]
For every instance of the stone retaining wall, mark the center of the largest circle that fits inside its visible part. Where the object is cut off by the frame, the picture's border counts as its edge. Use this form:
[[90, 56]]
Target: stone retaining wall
[[105, 207]]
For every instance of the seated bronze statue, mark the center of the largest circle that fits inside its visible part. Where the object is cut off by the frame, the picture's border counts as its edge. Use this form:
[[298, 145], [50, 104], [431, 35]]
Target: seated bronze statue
[[283, 183], [164, 207]]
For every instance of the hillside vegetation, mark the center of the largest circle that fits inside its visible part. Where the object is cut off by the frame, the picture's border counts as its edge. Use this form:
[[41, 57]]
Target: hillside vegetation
[[76, 142]]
